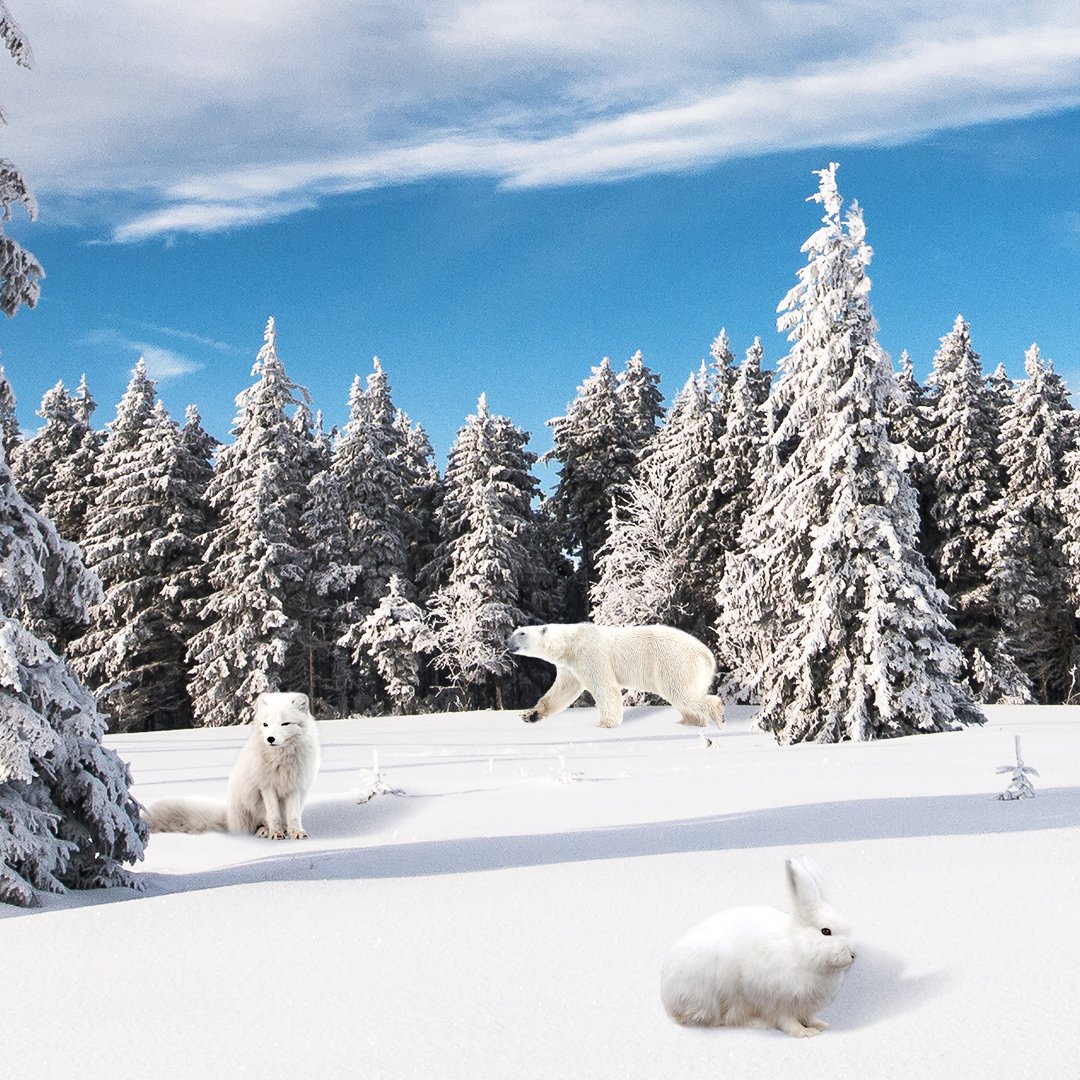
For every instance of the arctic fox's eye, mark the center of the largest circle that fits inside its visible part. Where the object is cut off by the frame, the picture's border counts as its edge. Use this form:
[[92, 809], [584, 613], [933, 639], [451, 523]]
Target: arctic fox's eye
[[826, 931], [285, 723]]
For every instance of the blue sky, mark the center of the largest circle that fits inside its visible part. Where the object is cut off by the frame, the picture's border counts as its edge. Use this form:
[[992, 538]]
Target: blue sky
[[492, 195]]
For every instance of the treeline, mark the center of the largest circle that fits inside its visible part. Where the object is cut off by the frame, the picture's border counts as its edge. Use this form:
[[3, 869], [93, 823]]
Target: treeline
[[866, 554]]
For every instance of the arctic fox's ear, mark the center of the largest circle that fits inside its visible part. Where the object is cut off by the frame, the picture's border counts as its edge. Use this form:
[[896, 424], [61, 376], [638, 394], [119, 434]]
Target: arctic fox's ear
[[804, 883], [301, 702]]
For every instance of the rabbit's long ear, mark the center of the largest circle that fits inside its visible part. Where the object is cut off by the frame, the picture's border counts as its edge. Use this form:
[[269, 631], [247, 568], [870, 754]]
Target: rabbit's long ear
[[804, 884]]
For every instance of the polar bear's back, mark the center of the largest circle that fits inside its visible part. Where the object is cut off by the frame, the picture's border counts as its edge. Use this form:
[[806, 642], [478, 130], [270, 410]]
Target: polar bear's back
[[651, 658]]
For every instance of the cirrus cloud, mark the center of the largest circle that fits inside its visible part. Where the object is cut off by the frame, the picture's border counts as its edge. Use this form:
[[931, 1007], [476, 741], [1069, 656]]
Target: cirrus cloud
[[229, 114]]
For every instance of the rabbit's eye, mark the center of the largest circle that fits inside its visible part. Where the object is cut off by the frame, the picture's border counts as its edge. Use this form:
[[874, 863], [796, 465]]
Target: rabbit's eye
[[826, 931]]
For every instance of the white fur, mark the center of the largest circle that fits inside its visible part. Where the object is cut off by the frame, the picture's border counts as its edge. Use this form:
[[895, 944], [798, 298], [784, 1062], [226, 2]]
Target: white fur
[[760, 967], [268, 784], [605, 660]]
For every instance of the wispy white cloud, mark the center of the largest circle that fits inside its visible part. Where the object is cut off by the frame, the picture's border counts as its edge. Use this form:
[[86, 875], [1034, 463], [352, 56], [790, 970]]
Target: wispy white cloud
[[196, 339], [230, 114], [161, 363]]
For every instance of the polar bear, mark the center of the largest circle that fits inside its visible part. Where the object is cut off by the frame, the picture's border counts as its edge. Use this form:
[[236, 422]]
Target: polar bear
[[605, 660]]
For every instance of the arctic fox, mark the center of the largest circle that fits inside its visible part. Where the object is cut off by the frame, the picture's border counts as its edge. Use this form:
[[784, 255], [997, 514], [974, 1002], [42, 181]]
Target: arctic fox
[[268, 784]]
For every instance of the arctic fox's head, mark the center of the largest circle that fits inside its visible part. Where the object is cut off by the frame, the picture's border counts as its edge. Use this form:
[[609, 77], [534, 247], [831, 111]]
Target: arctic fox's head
[[280, 717]]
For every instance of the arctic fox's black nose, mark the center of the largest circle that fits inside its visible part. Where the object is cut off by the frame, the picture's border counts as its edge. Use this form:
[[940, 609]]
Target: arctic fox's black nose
[[270, 739]]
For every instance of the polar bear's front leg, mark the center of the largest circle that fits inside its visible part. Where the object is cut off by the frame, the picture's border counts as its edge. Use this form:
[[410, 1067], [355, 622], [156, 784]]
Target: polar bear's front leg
[[564, 691], [609, 701]]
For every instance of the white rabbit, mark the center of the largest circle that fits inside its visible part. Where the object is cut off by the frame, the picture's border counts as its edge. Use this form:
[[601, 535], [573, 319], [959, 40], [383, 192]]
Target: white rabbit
[[759, 967]]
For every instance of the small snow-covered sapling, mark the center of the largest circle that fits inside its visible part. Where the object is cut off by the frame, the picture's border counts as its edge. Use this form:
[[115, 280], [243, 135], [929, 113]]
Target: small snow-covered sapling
[[1020, 787], [379, 784]]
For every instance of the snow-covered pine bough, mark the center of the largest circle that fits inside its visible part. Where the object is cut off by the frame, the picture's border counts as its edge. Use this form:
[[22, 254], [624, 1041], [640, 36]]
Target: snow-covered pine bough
[[605, 660], [268, 784]]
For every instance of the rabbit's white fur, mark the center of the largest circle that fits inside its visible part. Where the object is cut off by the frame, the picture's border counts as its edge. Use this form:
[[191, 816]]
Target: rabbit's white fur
[[760, 967]]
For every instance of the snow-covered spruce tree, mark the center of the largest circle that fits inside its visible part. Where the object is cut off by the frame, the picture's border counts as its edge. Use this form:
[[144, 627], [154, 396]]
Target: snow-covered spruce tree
[[422, 498], [962, 484], [722, 369], [255, 555], [656, 563], [840, 623], [144, 543], [641, 400], [73, 486], [37, 460], [638, 571], [908, 422], [397, 638], [596, 447], [331, 579], [67, 818], [20, 272], [1027, 562], [378, 462], [736, 461], [491, 555], [10, 432]]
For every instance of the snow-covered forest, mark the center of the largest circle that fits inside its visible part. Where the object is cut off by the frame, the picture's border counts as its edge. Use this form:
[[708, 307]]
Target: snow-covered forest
[[866, 554]]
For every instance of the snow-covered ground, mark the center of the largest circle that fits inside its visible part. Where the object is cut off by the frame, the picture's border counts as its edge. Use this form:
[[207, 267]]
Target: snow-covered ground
[[506, 917]]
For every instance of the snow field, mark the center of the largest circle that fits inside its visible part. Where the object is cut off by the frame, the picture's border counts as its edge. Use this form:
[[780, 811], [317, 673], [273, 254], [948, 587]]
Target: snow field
[[503, 920]]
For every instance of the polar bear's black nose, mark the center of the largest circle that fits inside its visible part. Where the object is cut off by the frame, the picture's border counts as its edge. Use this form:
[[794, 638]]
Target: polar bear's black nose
[[511, 645]]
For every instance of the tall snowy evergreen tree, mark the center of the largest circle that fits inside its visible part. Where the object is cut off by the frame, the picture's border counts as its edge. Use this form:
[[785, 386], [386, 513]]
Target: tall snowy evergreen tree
[[331, 579], [67, 818], [737, 459], [367, 461], [377, 461], [74, 483], [596, 446], [20, 272], [962, 481], [494, 566], [658, 560], [1027, 560], [249, 641], [143, 542], [54, 468], [423, 489], [10, 432], [831, 606], [638, 570], [722, 372], [641, 401], [399, 641]]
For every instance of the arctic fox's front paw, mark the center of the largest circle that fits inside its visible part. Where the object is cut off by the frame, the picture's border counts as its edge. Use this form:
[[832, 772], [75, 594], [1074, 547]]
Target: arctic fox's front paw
[[531, 716]]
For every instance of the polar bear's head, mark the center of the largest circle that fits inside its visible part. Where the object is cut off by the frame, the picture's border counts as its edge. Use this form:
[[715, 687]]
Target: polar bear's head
[[281, 717], [530, 641]]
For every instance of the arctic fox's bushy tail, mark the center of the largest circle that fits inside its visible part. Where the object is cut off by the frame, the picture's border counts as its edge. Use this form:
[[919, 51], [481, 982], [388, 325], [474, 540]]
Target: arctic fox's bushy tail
[[187, 815]]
